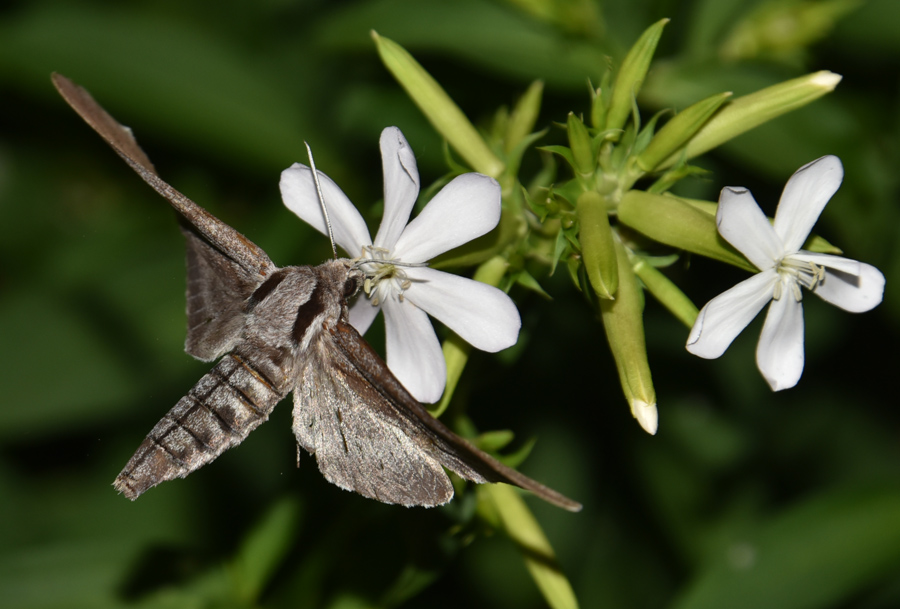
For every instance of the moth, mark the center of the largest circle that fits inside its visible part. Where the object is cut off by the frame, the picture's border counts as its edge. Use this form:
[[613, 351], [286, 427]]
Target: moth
[[276, 331]]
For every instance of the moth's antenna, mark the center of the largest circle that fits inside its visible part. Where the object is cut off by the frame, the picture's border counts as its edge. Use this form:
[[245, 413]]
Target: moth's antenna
[[312, 165]]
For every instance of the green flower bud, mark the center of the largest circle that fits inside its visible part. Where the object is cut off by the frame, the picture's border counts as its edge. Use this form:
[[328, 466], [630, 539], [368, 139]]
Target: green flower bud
[[624, 326], [441, 111], [580, 144], [631, 75], [749, 111], [524, 115], [597, 247], [679, 130], [671, 221]]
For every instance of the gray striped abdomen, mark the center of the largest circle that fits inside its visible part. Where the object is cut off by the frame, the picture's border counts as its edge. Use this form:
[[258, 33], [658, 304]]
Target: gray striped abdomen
[[217, 413]]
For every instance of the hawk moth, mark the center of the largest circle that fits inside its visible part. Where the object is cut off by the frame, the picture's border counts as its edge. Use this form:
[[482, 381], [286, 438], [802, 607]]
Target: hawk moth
[[280, 330]]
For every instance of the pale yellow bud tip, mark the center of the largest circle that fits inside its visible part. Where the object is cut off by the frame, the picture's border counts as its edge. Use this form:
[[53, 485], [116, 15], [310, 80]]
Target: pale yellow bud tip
[[825, 79], [646, 415]]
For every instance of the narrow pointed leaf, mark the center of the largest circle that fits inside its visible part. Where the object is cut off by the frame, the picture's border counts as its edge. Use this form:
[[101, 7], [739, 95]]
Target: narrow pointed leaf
[[631, 75], [441, 111], [523, 529]]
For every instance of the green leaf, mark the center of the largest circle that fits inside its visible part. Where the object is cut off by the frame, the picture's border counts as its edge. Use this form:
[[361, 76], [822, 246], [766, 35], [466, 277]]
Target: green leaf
[[158, 76], [263, 549], [443, 113], [821, 553], [523, 529]]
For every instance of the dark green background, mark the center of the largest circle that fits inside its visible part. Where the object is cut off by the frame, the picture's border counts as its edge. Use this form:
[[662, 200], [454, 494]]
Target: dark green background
[[744, 499]]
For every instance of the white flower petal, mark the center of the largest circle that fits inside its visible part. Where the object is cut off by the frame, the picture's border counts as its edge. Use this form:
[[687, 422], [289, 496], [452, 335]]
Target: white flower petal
[[466, 208], [837, 263], [401, 186], [779, 354], [413, 352], [480, 314], [744, 225], [854, 293], [298, 191], [363, 313], [803, 199], [723, 317]]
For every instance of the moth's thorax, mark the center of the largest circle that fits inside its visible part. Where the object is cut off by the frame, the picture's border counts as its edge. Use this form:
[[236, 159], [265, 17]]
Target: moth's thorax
[[296, 304]]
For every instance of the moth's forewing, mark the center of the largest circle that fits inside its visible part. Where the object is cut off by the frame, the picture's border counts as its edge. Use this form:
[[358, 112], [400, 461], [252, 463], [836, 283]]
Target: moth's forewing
[[228, 241], [361, 372], [359, 440]]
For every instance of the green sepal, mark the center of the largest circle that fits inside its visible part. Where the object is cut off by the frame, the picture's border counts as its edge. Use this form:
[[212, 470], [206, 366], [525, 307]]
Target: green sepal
[[581, 146], [597, 248], [438, 107], [527, 281], [560, 248], [562, 151], [673, 222], [631, 76]]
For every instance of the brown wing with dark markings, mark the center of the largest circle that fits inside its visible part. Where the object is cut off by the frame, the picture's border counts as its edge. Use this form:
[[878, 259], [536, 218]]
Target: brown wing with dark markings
[[224, 267], [247, 255], [371, 436]]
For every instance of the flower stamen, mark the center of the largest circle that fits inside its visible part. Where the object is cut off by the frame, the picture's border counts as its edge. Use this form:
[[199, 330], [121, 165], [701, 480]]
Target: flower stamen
[[798, 273], [384, 277]]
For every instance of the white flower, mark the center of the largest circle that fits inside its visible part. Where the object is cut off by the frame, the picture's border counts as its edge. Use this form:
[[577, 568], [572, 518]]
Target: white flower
[[466, 208], [784, 269]]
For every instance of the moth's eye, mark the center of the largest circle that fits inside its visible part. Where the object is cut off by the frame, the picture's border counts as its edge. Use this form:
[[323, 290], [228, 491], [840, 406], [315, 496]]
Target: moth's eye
[[350, 287]]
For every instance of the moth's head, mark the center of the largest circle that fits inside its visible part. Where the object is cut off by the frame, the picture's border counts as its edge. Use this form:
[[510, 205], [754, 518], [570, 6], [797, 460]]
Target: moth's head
[[345, 276]]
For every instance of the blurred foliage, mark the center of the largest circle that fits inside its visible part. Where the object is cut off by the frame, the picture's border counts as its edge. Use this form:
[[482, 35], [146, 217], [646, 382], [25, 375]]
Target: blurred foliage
[[744, 499]]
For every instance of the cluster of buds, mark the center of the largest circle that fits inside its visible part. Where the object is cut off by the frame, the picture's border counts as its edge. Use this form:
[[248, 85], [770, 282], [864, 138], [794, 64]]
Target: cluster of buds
[[605, 223]]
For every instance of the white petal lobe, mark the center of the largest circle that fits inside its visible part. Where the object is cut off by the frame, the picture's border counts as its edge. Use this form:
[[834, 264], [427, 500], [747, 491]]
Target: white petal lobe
[[466, 208], [401, 186], [779, 354], [835, 263], [298, 191], [853, 293], [803, 199], [413, 352], [743, 224], [362, 313], [726, 315], [480, 314]]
